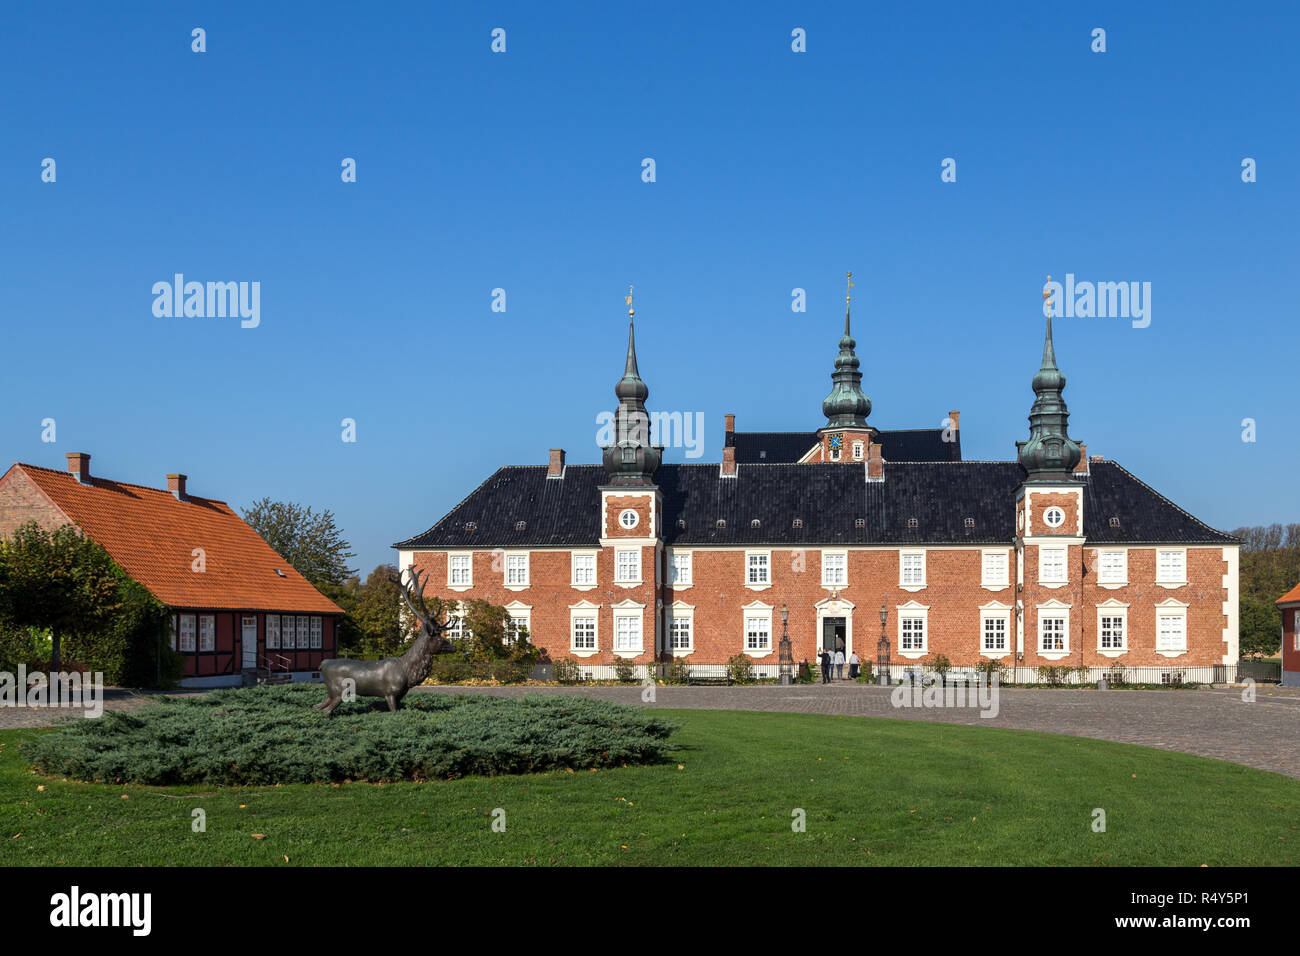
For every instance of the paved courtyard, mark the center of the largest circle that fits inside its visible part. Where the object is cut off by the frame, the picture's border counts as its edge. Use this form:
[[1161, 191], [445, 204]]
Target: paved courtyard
[[1211, 723]]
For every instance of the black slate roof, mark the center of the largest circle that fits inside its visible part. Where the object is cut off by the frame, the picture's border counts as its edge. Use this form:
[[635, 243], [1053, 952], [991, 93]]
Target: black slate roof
[[913, 444], [829, 498]]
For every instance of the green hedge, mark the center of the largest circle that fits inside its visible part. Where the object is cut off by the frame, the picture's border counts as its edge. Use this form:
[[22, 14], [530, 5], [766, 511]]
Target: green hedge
[[270, 735]]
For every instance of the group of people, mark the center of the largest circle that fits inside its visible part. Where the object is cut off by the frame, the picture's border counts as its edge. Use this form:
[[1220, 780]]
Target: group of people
[[833, 665]]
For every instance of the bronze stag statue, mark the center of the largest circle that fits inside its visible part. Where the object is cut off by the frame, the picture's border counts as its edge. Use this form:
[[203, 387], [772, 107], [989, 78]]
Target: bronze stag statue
[[391, 677]]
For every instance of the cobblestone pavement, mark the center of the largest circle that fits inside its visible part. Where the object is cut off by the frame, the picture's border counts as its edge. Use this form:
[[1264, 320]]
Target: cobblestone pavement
[[1210, 723]]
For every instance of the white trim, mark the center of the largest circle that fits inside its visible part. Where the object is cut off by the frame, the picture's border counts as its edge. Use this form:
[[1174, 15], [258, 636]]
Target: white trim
[[988, 583], [622, 519], [1231, 582], [835, 552], [1117, 609], [1065, 566], [1169, 582], [585, 610], [1054, 609], [1172, 608], [913, 610], [767, 556], [460, 554], [758, 610], [995, 610], [835, 607], [906, 553], [672, 555], [681, 611], [640, 570], [505, 570], [573, 569], [1099, 558], [623, 609]]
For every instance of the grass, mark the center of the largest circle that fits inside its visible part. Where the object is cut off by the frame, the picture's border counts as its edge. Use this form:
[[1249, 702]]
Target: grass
[[875, 791]]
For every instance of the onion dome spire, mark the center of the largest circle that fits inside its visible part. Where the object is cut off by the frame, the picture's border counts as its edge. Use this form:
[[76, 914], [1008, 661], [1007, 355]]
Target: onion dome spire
[[1049, 454], [847, 406], [631, 460]]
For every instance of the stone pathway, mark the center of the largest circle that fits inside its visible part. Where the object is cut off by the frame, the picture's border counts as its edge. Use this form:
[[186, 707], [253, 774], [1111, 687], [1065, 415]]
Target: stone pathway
[[1210, 723]]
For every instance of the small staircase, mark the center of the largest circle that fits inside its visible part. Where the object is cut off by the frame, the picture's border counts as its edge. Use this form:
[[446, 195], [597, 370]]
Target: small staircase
[[259, 676]]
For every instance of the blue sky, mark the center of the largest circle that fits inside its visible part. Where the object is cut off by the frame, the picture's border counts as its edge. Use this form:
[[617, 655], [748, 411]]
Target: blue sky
[[775, 170]]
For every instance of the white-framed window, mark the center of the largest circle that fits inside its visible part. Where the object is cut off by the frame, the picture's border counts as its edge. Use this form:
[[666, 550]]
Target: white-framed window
[[758, 632], [1171, 626], [628, 518], [1051, 566], [994, 633], [758, 569], [315, 633], [187, 632], [287, 632], [681, 628], [627, 565], [518, 625], [1171, 566], [835, 569], [857, 451], [679, 569], [273, 632], [911, 570], [584, 569], [1112, 567], [627, 632], [172, 631], [582, 632], [1112, 631], [456, 629], [911, 632], [1053, 631], [207, 632], [994, 571], [1054, 517], [517, 570], [460, 570], [304, 632]]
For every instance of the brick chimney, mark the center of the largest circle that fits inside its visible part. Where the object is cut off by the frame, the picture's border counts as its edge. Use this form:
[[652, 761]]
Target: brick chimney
[[176, 485], [556, 467], [79, 465], [955, 415], [875, 463], [729, 425], [1082, 467], [729, 461]]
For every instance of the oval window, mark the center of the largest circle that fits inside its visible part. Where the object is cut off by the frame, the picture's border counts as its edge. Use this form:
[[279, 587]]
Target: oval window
[[628, 519], [1054, 517]]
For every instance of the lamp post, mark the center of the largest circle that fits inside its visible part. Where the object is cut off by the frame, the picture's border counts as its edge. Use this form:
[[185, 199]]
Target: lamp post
[[882, 650], [786, 658]]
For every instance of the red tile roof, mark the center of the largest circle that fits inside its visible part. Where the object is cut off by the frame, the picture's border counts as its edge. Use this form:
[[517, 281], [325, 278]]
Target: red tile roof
[[1291, 596], [152, 536]]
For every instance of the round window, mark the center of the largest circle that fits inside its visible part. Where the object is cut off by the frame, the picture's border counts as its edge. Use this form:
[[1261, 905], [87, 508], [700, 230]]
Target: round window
[[1054, 517], [628, 518]]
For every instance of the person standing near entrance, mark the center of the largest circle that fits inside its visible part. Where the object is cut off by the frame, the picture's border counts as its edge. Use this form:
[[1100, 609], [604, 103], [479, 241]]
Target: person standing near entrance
[[853, 666], [825, 656], [839, 664]]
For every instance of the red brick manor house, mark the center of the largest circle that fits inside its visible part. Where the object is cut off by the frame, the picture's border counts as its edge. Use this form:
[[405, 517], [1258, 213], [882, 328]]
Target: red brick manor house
[[1052, 558]]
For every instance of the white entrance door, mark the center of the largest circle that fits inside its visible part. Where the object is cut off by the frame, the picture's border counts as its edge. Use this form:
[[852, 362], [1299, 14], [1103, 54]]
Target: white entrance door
[[249, 641]]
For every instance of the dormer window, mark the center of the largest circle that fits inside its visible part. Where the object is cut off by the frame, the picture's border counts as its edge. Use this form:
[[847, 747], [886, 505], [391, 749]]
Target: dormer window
[[1114, 521], [911, 522], [722, 523], [521, 525], [797, 523], [471, 525], [681, 522], [755, 523], [970, 522], [859, 522]]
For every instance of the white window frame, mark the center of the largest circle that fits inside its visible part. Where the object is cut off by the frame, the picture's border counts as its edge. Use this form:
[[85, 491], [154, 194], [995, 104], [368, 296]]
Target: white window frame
[[676, 560], [468, 582], [317, 632], [1172, 610], [1114, 610], [995, 611], [1116, 576], [1043, 571], [208, 634], [903, 582], [577, 574], [272, 632], [1167, 582], [304, 632], [518, 615], [623, 517], [623, 611], [764, 565], [189, 635], [684, 614], [512, 562], [1047, 513], [912, 611], [857, 451], [1053, 610], [995, 582], [756, 612], [288, 631], [619, 578], [843, 576]]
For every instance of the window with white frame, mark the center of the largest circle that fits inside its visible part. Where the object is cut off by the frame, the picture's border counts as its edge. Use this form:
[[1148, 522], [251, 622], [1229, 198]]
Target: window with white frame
[[758, 631], [627, 565], [304, 632], [460, 570], [912, 569], [995, 570], [286, 632], [517, 628], [680, 630], [1171, 566], [517, 570], [994, 639], [1052, 633], [207, 632], [857, 451], [273, 632], [680, 569], [911, 632], [582, 630], [1112, 567], [187, 632], [1054, 517], [315, 632], [627, 632], [1111, 631], [1051, 566], [456, 629], [584, 569], [1171, 629], [758, 568], [835, 569]]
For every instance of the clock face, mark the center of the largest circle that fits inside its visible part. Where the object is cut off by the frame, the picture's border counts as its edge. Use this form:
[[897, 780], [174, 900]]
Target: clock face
[[836, 440]]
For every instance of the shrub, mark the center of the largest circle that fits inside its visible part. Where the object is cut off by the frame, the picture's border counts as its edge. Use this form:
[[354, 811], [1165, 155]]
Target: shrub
[[565, 670], [989, 669], [624, 671], [677, 672], [740, 669], [1053, 675], [805, 675], [864, 673], [268, 735], [940, 665]]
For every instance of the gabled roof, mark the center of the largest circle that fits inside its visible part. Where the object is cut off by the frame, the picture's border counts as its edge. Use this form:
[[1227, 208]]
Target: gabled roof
[[152, 536], [829, 498], [1291, 597], [914, 444]]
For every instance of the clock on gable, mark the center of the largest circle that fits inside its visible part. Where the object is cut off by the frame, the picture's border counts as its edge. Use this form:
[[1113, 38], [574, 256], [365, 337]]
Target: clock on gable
[[836, 441]]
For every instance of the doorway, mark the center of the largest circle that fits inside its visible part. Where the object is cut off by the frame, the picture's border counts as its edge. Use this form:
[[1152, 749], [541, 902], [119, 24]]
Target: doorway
[[834, 632], [248, 638]]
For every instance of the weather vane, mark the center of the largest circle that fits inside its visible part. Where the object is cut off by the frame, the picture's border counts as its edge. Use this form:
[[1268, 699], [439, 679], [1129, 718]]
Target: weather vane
[[1047, 296], [848, 293], [628, 299]]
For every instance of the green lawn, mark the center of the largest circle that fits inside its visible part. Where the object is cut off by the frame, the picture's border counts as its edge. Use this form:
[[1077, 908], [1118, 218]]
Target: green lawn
[[874, 792]]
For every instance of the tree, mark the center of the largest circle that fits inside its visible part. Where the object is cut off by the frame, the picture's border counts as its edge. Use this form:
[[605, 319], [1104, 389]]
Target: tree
[[378, 612], [307, 539], [1261, 627]]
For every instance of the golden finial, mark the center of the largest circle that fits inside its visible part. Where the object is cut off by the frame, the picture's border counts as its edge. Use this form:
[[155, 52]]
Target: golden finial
[[628, 298], [1047, 295], [848, 293]]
